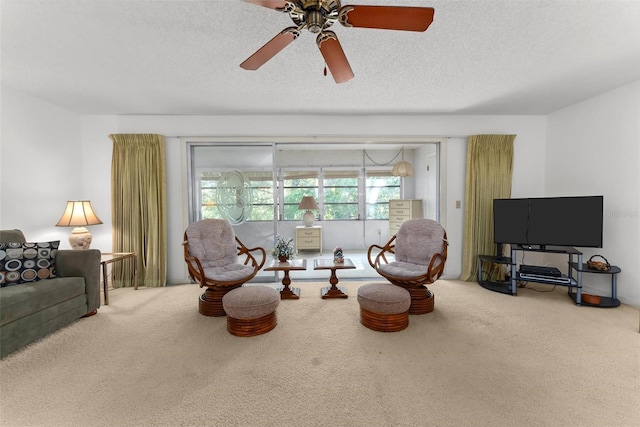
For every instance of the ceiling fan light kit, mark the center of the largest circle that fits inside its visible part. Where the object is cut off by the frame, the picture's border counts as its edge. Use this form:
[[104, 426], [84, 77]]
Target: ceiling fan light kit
[[318, 15]]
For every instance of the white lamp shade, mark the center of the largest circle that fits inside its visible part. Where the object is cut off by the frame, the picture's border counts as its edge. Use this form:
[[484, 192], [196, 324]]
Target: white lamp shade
[[402, 168], [79, 214]]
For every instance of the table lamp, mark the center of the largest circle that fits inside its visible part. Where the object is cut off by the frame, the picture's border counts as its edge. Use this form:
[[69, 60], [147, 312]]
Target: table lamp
[[79, 214], [307, 203]]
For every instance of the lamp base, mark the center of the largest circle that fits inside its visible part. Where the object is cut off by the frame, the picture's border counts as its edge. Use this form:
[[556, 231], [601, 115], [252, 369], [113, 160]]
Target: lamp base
[[308, 218], [80, 238]]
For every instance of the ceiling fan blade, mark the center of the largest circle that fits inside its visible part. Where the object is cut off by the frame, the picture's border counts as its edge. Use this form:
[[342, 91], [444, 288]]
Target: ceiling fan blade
[[271, 4], [270, 49], [404, 18], [334, 56]]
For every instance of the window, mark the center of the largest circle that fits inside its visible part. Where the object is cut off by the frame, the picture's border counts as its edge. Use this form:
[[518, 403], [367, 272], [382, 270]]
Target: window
[[295, 185], [336, 191], [208, 182], [348, 182], [381, 187], [261, 195], [339, 195], [262, 191]]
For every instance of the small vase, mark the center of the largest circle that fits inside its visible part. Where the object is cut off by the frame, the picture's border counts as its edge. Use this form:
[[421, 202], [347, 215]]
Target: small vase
[[283, 258]]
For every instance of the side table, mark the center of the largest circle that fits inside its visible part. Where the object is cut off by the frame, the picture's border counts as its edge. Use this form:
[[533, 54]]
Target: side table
[[333, 291], [110, 258], [286, 267]]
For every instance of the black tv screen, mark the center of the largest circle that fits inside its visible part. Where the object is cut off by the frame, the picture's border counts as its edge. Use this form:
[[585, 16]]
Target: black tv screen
[[557, 221]]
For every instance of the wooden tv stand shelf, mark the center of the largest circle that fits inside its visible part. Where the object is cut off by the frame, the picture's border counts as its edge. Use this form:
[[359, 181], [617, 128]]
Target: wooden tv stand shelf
[[573, 278]]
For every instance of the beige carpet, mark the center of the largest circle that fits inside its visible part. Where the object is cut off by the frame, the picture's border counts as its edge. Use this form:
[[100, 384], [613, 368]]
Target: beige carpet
[[481, 358]]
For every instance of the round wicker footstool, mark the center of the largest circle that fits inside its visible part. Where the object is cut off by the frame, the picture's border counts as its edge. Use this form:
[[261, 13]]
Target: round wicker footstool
[[384, 307], [251, 310]]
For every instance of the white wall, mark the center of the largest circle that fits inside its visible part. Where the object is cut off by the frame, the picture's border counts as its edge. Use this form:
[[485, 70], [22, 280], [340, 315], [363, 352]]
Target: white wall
[[593, 148], [41, 154]]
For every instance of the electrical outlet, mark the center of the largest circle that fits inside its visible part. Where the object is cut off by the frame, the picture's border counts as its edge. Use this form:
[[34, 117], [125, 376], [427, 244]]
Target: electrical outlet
[[458, 204]]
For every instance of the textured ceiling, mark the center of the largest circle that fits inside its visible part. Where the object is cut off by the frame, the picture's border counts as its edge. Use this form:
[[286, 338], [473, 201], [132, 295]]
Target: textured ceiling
[[183, 56]]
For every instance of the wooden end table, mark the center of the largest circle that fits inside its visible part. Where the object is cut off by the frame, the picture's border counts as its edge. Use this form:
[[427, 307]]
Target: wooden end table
[[333, 291], [109, 258], [286, 267]]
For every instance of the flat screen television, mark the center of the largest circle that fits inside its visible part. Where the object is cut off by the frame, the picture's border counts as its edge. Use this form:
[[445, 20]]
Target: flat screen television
[[542, 221]]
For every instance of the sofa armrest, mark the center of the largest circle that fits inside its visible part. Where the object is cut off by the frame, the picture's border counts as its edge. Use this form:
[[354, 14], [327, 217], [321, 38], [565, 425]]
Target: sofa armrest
[[82, 263]]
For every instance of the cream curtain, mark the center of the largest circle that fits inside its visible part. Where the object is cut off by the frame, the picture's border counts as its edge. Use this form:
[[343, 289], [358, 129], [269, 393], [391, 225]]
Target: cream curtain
[[138, 200], [489, 173]]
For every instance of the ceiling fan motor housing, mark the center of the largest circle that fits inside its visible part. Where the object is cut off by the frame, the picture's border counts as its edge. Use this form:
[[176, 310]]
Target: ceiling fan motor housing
[[315, 15]]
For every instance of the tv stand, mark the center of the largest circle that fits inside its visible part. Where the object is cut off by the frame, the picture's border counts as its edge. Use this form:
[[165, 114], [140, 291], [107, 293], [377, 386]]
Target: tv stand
[[570, 282], [504, 287], [573, 278]]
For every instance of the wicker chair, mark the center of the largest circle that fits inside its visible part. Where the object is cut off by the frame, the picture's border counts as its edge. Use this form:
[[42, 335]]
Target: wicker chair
[[214, 258], [413, 258]]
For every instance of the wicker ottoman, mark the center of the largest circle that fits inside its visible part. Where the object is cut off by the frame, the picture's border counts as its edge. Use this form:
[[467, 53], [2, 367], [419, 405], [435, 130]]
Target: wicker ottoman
[[384, 307], [251, 310]]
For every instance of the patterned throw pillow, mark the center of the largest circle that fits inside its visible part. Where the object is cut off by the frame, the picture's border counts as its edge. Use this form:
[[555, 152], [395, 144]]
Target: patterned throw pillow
[[27, 262]]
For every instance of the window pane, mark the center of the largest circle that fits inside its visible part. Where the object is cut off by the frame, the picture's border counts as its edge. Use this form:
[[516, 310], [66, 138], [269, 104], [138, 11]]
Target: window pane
[[262, 192], [296, 185], [341, 211], [340, 195], [261, 187], [381, 187]]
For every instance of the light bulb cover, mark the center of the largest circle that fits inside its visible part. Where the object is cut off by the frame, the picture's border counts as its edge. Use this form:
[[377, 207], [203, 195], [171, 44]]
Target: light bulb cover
[[402, 168]]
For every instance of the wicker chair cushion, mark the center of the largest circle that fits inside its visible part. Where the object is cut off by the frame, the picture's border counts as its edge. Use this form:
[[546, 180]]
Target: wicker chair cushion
[[417, 241], [230, 272], [403, 269], [249, 302], [384, 298], [213, 242]]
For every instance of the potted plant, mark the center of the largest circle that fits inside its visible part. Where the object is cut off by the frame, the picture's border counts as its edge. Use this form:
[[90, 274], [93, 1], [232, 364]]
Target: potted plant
[[283, 250]]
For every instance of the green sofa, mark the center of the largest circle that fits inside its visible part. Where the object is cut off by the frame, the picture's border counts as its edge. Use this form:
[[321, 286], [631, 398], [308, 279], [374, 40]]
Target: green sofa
[[29, 311]]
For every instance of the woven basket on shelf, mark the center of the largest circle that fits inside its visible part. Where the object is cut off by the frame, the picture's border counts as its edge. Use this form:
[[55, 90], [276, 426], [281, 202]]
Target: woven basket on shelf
[[598, 265]]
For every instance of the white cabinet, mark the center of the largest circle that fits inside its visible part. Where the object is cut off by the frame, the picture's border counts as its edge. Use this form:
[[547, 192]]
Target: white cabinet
[[401, 210], [309, 238]]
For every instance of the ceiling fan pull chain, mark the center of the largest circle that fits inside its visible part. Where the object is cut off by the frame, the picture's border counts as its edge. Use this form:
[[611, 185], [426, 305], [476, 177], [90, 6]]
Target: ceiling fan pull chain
[[325, 69]]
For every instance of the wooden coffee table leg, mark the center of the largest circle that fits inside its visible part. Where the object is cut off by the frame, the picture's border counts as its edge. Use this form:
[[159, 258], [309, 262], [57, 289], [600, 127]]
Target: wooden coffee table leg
[[334, 291], [287, 292]]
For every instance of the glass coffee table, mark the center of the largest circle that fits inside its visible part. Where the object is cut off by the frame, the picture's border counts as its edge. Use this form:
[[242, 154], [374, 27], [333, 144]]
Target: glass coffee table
[[333, 291], [286, 267]]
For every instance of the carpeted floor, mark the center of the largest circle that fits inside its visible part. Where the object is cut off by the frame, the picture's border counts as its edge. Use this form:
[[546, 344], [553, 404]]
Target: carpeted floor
[[481, 358]]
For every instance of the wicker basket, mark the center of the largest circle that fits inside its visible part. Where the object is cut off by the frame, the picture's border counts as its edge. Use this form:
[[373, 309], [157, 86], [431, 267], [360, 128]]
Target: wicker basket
[[598, 265]]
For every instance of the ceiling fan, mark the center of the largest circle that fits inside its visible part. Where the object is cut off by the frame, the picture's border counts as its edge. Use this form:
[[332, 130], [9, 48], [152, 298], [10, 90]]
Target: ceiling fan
[[318, 15]]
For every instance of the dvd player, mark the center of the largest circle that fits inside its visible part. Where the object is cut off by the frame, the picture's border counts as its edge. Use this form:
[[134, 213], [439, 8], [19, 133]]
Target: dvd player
[[540, 270]]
